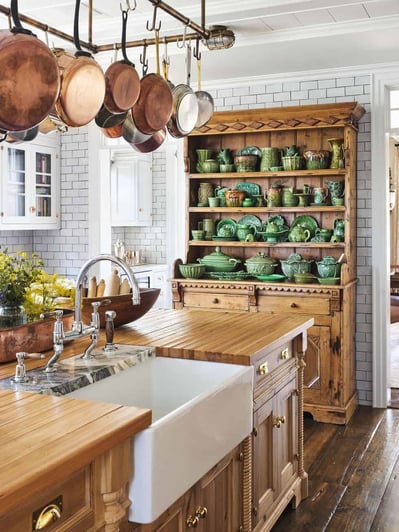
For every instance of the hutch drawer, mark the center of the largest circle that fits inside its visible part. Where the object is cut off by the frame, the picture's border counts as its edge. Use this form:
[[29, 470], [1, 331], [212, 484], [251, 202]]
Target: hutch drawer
[[304, 304], [212, 300]]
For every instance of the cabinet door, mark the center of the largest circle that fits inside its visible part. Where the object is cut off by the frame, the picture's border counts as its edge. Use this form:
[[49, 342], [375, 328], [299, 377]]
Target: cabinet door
[[218, 497], [159, 279], [131, 191], [317, 371], [275, 449], [30, 192]]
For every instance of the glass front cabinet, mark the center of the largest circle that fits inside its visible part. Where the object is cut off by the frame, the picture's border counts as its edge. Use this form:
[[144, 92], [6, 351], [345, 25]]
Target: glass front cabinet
[[29, 187]]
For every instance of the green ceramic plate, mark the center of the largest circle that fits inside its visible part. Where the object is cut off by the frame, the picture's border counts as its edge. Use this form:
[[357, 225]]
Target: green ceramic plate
[[277, 219], [306, 222], [226, 227], [250, 150], [229, 276], [252, 189], [251, 219], [272, 278]]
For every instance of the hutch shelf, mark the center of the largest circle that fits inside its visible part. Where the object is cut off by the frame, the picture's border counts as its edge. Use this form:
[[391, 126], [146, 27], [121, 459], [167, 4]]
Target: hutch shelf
[[329, 377]]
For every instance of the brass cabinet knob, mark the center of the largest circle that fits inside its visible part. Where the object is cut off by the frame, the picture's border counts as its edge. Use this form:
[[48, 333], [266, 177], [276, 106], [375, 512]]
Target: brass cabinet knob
[[277, 421], [215, 300], [294, 305], [201, 512], [192, 521]]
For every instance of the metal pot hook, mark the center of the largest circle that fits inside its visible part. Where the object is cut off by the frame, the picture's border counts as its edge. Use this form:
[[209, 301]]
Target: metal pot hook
[[143, 58], [129, 7], [154, 17]]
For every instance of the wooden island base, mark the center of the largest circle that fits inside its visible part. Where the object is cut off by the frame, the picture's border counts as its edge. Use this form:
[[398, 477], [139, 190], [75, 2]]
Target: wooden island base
[[73, 442]]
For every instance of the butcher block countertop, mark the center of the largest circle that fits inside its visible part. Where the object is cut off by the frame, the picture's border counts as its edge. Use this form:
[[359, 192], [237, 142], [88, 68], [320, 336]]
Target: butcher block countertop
[[233, 338], [42, 438]]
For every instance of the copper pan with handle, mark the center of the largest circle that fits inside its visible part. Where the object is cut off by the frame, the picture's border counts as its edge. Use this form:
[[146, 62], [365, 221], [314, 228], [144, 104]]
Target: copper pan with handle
[[121, 79], [154, 106], [30, 80], [82, 83]]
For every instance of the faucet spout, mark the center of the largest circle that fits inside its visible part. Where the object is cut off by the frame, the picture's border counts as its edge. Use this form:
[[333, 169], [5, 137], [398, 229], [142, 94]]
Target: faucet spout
[[77, 324], [78, 328]]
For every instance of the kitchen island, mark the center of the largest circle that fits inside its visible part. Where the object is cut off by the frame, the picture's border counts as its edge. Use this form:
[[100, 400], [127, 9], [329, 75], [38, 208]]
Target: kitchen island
[[272, 457]]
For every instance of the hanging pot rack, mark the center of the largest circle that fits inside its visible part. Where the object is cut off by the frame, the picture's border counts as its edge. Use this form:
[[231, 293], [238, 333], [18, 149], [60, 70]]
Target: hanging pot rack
[[199, 31]]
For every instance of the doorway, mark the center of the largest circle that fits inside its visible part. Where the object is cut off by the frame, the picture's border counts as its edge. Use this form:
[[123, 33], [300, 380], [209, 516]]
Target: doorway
[[382, 84]]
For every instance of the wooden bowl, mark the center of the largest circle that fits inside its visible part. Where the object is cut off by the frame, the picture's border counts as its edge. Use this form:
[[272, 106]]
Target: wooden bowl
[[126, 312]]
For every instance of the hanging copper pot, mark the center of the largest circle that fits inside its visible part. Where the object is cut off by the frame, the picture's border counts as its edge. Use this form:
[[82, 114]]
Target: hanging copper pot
[[82, 83], [30, 80], [155, 103], [121, 79]]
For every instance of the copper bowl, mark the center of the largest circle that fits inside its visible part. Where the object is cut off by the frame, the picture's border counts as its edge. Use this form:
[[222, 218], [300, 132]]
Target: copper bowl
[[234, 198]]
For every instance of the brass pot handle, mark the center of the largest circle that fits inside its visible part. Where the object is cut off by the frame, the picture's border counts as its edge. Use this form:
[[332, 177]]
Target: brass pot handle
[[48, 515]]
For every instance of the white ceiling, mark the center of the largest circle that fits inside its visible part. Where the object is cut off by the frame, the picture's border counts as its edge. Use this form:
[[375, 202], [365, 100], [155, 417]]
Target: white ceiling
[[272, 37]]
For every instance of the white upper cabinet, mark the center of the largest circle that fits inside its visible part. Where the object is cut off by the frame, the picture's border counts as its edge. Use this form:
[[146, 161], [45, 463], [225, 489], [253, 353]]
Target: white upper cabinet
[[29, 186], [131, 189]]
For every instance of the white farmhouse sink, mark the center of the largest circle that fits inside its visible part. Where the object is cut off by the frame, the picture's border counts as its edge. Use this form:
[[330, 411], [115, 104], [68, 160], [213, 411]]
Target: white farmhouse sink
[[201, 411]]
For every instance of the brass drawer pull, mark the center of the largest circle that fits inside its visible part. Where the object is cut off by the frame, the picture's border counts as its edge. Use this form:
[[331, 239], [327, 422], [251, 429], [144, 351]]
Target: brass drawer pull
[[285, 354], [263, 369], [215, 300], [48, 515], [294, 305]]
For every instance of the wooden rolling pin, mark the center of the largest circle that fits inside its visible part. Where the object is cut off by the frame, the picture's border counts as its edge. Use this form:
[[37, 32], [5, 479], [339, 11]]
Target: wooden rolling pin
[[92, 289], [112, 284], [125, 287], [100, 288]]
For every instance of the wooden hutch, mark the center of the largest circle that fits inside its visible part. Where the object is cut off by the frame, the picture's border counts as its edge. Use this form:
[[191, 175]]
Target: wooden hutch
[[330, 393]]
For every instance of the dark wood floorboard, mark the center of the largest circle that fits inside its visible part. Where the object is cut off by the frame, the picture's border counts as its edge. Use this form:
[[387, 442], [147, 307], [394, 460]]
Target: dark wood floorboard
[[353, 476]]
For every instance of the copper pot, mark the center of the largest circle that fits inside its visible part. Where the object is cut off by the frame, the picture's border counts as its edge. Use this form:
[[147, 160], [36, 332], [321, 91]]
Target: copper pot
[[82, 83], [82, 88], [114, 132], [155, 103], [121, 79], [30, 80], [153, 143]]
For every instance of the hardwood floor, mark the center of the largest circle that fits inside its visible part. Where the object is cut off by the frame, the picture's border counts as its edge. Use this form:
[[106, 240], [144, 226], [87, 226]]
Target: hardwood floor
[[353, 476]]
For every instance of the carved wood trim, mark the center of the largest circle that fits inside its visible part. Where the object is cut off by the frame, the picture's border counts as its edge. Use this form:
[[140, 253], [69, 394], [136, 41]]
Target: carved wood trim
[[247, 484], [294, 117]]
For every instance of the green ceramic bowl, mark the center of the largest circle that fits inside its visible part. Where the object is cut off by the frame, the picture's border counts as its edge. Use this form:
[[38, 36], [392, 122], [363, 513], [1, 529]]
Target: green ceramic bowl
[[192, 271]]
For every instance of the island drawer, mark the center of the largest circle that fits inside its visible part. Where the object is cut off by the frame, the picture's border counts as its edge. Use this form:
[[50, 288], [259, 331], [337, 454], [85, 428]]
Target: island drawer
[[288, 303], [72, 497], [213, 300], [276, 358]]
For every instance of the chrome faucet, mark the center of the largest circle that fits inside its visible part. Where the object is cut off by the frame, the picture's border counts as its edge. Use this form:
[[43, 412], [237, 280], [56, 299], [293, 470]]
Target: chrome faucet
[[79, 329]]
